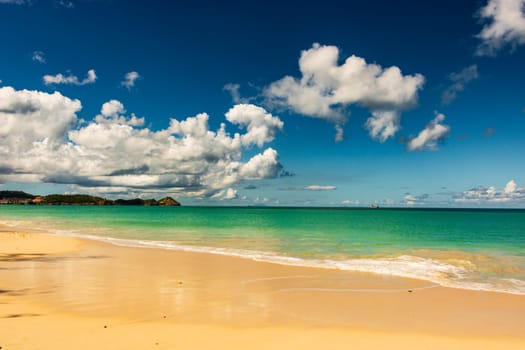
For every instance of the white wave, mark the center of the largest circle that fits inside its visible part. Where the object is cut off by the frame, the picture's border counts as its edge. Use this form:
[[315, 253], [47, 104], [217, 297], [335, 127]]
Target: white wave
[[407, 266]]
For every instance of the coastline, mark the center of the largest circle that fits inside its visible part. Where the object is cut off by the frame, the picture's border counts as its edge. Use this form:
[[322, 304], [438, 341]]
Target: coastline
[[50, 282], [469, 250]]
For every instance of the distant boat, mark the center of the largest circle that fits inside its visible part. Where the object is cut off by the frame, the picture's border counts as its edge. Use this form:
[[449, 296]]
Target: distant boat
[[373, 206]]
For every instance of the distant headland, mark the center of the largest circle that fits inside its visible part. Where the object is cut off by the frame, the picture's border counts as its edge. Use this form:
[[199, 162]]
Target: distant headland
[[19, 197]]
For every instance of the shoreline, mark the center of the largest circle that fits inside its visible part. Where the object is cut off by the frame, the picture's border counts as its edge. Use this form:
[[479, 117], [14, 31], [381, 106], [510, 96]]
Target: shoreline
[[425, 269], [265, 257], [82, 284]]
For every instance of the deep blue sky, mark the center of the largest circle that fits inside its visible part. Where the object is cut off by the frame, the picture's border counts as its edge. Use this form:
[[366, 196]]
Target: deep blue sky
[[185, 53]]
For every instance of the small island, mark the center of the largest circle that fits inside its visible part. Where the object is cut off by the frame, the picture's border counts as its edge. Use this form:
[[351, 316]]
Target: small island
[[19, 197]]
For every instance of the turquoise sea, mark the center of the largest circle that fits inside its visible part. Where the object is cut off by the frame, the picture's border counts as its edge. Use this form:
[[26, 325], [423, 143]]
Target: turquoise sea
[[473, 249]]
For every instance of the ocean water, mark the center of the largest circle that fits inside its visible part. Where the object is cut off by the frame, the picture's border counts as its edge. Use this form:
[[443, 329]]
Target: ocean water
[[472, 249]]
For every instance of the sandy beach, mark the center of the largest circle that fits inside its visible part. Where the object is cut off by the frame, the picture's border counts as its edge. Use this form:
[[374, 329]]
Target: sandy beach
[[62, 293]]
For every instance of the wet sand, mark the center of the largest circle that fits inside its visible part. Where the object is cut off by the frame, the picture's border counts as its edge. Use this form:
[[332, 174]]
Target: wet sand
[[60, 292]]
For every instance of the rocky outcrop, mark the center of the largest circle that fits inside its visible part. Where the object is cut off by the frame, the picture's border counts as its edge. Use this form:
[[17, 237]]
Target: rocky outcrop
[[19, 197], [15, 197], [169, 202]]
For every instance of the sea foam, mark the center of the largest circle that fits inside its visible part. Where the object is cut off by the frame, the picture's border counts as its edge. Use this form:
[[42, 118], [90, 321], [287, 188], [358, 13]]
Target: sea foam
[[407, 266]]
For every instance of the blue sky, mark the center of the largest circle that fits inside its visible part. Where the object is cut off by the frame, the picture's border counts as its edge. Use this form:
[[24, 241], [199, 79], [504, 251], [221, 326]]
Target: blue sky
[[441, 81]]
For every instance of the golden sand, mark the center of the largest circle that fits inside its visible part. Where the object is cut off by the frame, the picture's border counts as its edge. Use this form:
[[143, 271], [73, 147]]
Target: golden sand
[[20, 245], [65, 293]]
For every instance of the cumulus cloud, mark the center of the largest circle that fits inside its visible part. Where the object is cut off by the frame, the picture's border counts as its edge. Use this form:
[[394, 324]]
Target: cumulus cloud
[[38, 56], [113, 112], [262, 166], [430, 136], [459, 81], [505, 27], [320, 188], [129, 79], [383, 124], [486, 195], [29, 117], [70, 79], [112, 108], [326, 88], [41, 141], [261, 125]]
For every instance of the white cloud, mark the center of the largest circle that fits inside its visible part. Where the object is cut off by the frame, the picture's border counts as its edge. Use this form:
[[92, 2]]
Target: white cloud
[[33, 116], [39, 56], [326, 88], [320, 188], [412, 200], [505, 27], [113, 112], [70, 79], [226, 194], [262, 166], [350, 202], [113, 152], [409, 199], [459, 81], [510, 193], [383, 124], [430, 136], [230, 193], [261, 125], [129, 79], [233, 89], [339, 133], [510, 187], [112, 108]]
